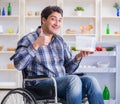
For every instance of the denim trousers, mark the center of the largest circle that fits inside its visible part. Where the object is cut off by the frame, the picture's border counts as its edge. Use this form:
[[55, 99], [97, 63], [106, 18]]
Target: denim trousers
[[73, 87]]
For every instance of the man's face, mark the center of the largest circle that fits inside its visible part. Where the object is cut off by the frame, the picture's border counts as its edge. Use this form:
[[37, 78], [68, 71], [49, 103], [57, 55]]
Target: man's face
[[53, 23]]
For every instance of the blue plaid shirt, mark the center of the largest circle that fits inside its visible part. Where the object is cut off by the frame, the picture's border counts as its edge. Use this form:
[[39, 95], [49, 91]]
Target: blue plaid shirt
[[54, 59]]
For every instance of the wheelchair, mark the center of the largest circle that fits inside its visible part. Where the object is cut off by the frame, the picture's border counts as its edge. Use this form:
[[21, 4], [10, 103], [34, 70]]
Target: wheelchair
[[35, 95]]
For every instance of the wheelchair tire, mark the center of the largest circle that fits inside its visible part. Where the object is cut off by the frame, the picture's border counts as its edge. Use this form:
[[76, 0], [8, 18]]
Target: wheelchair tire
[[19, 96]]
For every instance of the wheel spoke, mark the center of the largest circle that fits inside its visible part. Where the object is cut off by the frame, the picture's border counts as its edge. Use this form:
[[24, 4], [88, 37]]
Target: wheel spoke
[[18, 96]]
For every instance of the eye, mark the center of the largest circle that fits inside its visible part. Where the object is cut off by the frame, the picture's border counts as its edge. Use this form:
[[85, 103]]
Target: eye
[[53, 18], [60, 20]]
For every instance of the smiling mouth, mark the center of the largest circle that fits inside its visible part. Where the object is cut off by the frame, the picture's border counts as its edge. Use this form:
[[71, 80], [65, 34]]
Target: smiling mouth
[[55, 27]]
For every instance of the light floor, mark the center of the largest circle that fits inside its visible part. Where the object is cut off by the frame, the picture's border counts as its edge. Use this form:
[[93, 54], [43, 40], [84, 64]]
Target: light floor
[[2, 94]]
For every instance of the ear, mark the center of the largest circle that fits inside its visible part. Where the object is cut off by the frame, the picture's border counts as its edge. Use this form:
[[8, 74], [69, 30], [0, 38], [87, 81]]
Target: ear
[[43, 20]]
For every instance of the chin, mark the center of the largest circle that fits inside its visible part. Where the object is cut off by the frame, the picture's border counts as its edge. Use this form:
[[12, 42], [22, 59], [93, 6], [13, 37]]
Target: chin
[[54, 32]]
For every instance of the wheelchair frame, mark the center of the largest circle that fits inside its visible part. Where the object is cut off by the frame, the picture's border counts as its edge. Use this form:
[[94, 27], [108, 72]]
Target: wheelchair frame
[[26, 93], [28, 96], [45, 78]]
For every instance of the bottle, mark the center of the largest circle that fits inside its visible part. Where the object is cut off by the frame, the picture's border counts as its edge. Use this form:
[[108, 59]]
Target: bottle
[[107, 29], [3, 11], [9, 9], [106, 93], [118, 11], [0, 11]]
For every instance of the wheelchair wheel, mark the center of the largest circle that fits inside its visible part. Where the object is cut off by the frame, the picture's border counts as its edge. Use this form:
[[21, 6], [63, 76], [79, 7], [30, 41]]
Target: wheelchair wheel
[[19, 96]]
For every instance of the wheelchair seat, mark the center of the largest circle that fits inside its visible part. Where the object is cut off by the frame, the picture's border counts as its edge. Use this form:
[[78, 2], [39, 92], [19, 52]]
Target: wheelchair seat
[[44, 92]]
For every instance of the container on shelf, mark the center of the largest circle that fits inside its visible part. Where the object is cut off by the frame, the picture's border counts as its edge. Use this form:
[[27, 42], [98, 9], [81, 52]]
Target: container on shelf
[[102, 64], [86, 43], [107, 29], [0, 11], [118, 11], [9, 9], [3, 11], [106, 93]]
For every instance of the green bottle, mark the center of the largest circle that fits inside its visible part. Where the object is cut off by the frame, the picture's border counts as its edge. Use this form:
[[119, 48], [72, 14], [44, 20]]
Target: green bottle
[[106, 93], [0, 11], [107, 29], [9, 9]]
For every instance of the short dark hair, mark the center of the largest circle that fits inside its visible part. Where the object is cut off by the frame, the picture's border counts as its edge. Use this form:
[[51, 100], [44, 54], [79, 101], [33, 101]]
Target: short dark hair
[[49, 10]]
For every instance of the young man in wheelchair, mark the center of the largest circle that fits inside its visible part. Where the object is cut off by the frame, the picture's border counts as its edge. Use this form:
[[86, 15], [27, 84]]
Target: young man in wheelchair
[[44, 52]]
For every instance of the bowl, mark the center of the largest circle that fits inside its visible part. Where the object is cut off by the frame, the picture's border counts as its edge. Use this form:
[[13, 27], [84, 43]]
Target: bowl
[[11, 49], [102, 64]]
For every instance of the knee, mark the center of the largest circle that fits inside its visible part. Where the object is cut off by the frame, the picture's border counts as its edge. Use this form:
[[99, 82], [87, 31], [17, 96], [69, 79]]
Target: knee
[[93, 82], [74, 79], [74, 82], [91, 79]]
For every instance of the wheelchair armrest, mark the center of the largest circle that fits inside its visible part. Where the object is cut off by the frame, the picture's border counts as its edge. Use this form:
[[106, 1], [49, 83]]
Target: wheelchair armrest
[[37, 77], [80, 74]]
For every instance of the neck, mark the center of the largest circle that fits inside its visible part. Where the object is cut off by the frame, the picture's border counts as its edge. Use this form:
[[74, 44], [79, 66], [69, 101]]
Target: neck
[[46, 32]]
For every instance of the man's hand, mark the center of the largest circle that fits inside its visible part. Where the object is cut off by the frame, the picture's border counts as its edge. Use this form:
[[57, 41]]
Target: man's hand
[[42, 40], [82, 54]]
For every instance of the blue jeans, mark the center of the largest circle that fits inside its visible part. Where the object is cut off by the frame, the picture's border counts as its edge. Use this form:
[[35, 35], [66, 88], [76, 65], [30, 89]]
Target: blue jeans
[[73, 87]]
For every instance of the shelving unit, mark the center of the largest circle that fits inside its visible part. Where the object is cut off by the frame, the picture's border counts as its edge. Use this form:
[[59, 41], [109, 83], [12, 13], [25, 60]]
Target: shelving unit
[[73, 22], [108, 16], [9, 42], [98, 13], [88, 65], [108, 75]]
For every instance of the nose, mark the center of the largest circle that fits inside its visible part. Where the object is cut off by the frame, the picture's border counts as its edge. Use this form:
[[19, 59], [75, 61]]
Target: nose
[[57, 23]]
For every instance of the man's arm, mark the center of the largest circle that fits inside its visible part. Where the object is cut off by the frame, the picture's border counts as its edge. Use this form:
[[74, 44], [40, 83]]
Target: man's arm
[[24, 54], [71, 64]]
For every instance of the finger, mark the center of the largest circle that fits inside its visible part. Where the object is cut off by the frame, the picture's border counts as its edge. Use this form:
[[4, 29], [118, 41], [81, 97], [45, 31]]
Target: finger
[[48, 38], [91, 52], [41, 32], [46, 43]]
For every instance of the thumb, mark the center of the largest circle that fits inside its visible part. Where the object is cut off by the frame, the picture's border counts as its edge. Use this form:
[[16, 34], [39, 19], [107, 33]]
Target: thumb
[[41, 32]]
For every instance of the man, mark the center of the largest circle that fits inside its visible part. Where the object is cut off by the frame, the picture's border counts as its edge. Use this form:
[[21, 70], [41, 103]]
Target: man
[[44, 52]]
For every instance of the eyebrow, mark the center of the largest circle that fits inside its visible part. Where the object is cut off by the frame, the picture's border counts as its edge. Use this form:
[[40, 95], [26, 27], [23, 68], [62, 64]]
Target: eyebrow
[[56, 17]]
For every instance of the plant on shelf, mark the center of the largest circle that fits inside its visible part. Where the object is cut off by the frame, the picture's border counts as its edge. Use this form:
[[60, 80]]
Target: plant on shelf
[[78, 10], [117, 7]]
